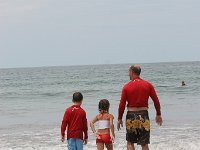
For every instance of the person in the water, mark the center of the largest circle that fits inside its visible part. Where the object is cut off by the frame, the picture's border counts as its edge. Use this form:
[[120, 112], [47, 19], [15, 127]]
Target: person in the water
[[183, 83]]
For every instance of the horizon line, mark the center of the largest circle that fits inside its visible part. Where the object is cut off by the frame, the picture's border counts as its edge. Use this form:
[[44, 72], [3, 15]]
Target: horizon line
[[26, 67]]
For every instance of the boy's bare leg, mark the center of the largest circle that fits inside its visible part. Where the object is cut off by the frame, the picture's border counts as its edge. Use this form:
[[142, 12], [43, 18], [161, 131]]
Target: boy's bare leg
[[130, 146], [100, 146], [109, 146], [145, 147]]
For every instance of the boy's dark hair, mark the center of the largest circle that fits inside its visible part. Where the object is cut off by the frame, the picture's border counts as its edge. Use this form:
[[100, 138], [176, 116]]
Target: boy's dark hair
[[77, 97], [104, 105]]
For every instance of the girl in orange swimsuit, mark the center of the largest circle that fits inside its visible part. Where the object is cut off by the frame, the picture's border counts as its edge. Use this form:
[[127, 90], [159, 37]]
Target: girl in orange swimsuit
[[105, 126]]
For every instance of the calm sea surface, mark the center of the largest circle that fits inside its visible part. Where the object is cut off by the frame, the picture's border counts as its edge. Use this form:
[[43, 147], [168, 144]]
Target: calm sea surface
[[33, 101]]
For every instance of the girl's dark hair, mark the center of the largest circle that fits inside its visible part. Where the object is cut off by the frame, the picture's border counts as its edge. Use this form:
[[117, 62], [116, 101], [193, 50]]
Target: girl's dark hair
[[104, 105]]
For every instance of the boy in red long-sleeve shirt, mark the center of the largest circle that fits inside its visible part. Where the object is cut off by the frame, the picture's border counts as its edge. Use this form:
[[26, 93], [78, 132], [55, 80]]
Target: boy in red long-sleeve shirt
[[76, 122]]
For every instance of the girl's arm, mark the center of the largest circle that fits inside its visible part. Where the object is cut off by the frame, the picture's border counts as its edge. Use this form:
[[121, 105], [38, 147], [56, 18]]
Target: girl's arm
[[112, 128], [92, 122]]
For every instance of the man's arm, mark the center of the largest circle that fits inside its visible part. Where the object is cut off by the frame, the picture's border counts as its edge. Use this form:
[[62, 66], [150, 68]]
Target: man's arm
[[112, 128], [122, 104], [155, 99], [121, 108]]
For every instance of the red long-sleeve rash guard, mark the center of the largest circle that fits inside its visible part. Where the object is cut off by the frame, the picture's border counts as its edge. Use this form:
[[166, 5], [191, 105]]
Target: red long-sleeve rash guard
[[76, 121], [136, 93]]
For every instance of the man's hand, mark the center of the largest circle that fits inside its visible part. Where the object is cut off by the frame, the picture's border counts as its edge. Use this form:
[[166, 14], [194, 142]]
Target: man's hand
[[62, 138], [119, 124], [85, 141], [159, 120]]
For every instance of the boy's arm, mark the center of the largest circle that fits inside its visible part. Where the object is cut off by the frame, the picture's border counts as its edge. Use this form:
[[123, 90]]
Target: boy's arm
[[85, 127], [64, 125], [112, 128]]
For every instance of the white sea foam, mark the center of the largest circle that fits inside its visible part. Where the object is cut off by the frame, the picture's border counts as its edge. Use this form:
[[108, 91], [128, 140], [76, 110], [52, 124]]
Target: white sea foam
[[171, 136], [91, 146]]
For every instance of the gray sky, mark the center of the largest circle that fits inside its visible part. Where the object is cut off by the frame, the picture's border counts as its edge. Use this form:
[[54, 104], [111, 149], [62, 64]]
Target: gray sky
[[79, 32]]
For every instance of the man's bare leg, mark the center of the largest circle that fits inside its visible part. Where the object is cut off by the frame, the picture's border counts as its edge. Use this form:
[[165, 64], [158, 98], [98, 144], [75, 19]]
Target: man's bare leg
[[130, 146], [145, 147]]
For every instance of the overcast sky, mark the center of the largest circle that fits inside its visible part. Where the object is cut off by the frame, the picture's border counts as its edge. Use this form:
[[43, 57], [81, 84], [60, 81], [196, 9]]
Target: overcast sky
[[78, 32]]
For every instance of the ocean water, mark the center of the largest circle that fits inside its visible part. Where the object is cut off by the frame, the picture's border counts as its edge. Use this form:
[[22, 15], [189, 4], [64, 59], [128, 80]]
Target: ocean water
[[33, 101]]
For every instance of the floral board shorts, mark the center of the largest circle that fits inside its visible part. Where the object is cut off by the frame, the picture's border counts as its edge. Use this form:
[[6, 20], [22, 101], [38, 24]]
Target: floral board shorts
[[138, 127]]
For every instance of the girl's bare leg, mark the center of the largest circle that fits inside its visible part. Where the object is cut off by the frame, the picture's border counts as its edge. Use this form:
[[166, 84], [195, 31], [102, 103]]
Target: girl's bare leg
[[100, 146], [109, 146]]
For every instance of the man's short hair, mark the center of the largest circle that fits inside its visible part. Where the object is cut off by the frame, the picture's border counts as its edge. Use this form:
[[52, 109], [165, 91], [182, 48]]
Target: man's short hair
[[135, 69], [77, 97]]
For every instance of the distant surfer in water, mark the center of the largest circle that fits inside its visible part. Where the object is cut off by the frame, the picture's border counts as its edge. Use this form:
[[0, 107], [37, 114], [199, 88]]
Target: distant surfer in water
[[183, 83], [136, 93]]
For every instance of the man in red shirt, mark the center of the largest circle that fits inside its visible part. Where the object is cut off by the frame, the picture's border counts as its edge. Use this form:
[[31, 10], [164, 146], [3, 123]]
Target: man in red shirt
[[76, 122], [136, 93]]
